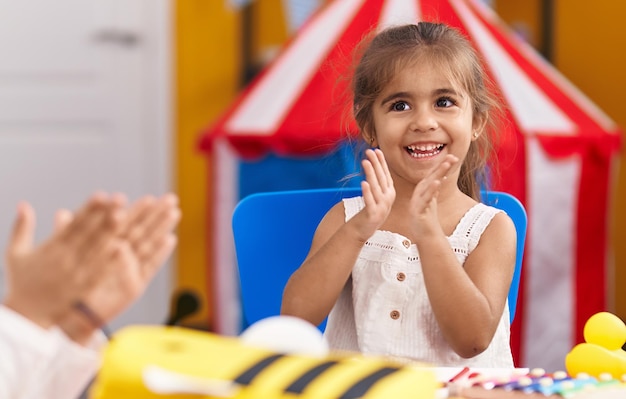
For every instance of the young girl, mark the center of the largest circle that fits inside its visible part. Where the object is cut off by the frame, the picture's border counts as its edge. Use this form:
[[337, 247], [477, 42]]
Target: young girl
[[417, 267]]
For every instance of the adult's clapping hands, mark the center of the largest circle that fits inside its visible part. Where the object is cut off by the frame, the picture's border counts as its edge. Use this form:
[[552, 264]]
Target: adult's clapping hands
[[102, 258]]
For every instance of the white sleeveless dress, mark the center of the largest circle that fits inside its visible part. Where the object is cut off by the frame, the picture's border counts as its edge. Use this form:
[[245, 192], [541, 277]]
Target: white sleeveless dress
[[384, 308]]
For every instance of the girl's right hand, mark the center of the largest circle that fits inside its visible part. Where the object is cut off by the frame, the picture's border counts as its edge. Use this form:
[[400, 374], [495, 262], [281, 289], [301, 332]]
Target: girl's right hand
[[378, 193]]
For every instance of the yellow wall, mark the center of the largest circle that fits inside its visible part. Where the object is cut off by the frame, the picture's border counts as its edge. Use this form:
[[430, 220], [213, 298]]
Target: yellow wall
[[269, 30], [523, 15], [209, 46], [207, 79], [589, 48]]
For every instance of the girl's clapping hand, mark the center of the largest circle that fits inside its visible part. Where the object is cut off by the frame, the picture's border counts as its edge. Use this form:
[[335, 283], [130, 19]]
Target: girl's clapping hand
[[378, 193], [424, 199]]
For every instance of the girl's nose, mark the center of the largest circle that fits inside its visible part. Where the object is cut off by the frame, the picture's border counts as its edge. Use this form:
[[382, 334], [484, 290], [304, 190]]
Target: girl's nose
[[423, 120]]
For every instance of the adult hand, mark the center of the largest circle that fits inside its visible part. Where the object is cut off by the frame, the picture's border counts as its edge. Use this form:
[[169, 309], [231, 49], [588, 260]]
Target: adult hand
[[45, 281], [146, 241]]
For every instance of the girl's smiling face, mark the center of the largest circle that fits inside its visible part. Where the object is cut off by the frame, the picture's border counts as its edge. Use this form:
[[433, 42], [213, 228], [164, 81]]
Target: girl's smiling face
[[419, 117]]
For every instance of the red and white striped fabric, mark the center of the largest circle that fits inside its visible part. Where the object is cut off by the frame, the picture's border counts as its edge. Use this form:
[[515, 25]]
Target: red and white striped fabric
[[557, 154]]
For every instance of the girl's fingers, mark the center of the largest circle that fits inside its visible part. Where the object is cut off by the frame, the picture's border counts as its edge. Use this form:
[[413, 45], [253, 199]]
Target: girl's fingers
[[370, 174], [386, 171], [377, 189], [431, 191], [374, 174], [381, 168], [428, 189], [438, 174], [368, 197], [378, 161], [446, 165]]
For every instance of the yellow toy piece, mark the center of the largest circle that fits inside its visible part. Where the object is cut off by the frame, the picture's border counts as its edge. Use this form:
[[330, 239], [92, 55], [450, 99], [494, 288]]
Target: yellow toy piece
[[213, 366], [602, 351], [605, 329]]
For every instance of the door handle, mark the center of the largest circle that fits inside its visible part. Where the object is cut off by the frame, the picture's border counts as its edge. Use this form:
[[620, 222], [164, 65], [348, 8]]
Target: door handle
[[117, 36]]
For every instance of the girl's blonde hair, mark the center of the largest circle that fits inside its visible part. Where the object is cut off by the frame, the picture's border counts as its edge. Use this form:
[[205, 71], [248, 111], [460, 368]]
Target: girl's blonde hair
[[382, 56]]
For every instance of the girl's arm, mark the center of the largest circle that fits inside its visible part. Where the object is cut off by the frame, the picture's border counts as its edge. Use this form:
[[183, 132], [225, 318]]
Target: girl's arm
[[468, 300], [312, 290]]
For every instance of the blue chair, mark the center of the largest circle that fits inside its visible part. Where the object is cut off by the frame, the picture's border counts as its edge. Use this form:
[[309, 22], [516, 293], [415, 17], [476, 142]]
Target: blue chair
[[273, 233]]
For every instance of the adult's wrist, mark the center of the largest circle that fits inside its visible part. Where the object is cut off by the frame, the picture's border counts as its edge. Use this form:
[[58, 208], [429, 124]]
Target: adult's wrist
[[30, 312], [78, 327]]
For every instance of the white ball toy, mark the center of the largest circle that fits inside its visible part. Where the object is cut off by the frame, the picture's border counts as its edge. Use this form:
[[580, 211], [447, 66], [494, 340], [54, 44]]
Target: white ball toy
[[286, 334]]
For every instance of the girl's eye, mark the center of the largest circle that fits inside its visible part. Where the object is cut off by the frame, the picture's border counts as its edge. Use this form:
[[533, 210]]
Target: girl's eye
[[445, 102], [400, 106]]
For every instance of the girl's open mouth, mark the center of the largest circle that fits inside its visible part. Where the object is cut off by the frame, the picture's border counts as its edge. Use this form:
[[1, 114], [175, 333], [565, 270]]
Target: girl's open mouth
[[423, 151]]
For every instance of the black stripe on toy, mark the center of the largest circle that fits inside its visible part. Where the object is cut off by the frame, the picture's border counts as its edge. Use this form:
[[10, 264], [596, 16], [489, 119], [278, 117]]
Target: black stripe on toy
[[247, 376], [360, 388], [301, 383]]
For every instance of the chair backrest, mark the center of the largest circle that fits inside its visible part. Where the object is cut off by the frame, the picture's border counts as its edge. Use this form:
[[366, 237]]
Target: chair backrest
[[273, 233], [516, 211]]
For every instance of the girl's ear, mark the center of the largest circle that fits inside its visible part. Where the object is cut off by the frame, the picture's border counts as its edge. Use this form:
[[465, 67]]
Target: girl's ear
[[373, 142], [478, 126], [370, 138]]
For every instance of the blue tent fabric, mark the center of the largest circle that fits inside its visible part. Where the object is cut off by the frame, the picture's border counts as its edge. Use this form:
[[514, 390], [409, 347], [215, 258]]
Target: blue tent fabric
[[340, 168]]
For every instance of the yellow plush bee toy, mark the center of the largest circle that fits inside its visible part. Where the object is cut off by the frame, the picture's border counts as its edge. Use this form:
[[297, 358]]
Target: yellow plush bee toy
[[152, 362]]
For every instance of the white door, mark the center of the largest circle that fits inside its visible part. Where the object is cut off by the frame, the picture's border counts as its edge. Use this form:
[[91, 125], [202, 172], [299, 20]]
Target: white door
[[84, 106]]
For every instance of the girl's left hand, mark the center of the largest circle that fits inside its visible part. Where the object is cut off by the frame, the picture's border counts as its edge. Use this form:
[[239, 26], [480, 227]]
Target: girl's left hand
[[424, 199]]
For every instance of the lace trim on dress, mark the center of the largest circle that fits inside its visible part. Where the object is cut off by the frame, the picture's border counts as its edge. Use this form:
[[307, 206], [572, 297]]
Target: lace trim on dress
[[380, 245], [474, 223]]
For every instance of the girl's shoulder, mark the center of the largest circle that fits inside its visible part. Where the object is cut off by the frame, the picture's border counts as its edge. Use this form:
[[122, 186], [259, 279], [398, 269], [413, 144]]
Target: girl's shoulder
[[485, 218], [476, 219]]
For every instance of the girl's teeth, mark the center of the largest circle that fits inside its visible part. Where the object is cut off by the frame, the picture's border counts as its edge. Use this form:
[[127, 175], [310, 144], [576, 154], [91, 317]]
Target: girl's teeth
[[422, 151]]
